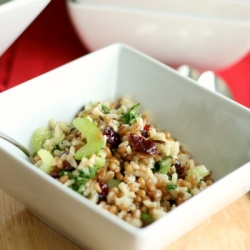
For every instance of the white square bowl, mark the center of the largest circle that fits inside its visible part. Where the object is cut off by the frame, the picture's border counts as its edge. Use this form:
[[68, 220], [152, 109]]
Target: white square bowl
[[214, 128], [15, 17]]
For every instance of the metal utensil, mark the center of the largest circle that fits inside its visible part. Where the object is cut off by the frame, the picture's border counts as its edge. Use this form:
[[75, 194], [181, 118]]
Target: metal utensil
[[208, 79], [17, 144], [188, 71]]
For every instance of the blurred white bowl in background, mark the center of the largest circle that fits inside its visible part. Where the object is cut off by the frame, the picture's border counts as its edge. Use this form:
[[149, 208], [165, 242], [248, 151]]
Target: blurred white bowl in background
[[199, 40], [15, 17], [233, 9]]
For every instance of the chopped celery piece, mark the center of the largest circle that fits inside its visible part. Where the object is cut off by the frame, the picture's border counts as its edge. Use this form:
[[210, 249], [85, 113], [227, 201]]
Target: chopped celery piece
[[163, 166], [113, 183], [47, 160], [99, 162], [39, 137], [91, 132], [171, 186], [200, 171], [92, 172]]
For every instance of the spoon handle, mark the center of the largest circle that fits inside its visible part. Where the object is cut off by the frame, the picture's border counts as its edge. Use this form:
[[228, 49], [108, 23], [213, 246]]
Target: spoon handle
[[15, 143]]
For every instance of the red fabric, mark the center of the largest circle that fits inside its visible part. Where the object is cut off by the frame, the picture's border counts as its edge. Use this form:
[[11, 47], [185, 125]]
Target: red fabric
[[47, 43], [50, 41]]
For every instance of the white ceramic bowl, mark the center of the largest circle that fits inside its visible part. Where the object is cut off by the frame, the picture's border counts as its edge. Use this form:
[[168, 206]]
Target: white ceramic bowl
[[15, 17], [203, 40], [232, 9], [214, 128]]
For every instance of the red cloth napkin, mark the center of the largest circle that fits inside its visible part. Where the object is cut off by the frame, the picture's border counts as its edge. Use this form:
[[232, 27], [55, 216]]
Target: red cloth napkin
[[50, 41]]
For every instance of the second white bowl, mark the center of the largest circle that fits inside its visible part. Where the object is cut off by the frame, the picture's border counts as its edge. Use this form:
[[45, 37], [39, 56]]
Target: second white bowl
[[173, 38]]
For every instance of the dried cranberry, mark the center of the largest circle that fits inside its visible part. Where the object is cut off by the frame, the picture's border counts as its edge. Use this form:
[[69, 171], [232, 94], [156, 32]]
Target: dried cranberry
[[55, 174], [112, 137], [181, 171], [142, 145], [104, 193], [144, 132], [67, 166]]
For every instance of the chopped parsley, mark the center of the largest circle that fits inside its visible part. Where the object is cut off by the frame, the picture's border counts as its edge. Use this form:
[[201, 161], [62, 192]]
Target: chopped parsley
[[171, 186], [80, 177], [105, 109], [146, 217], [130, 116]]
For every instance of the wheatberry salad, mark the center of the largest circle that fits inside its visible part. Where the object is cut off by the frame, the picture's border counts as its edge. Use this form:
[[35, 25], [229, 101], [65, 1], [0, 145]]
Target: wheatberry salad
[[117, 158]]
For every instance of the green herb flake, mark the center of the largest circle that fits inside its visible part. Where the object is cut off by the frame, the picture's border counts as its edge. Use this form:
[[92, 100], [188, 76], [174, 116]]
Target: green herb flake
[[156, 167], [146, 217], [80, 188], [74, 187], [80, 177], [130, 116], [68, 173], [105, 109], [171, 186], [89, 172]]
